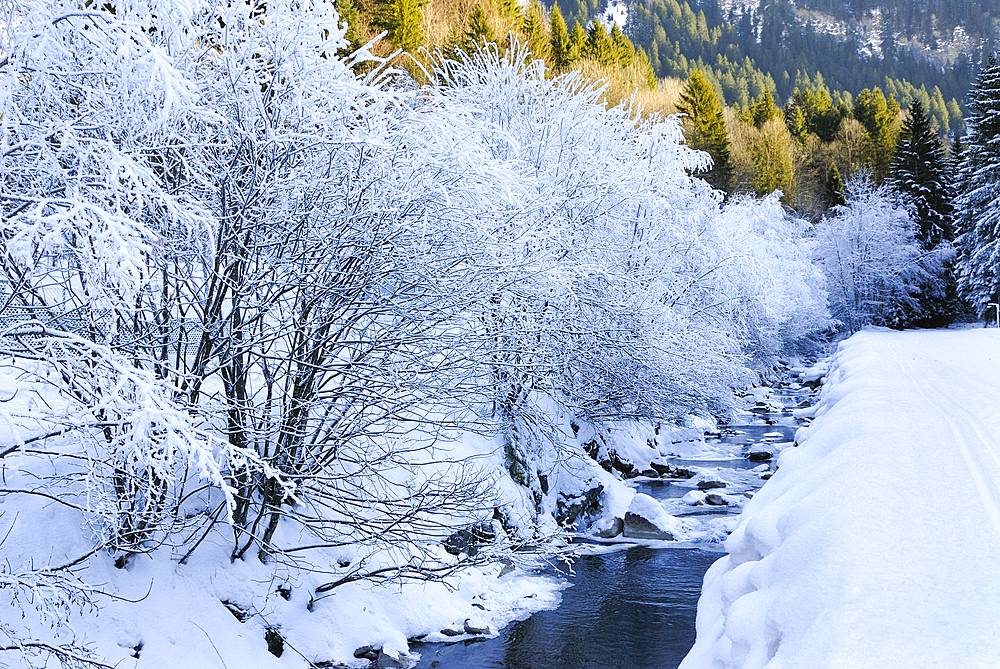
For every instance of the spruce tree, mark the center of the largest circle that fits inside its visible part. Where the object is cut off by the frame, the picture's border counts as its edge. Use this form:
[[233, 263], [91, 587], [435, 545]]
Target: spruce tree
[[978, 202], [479, 32], [562, 50], [705, 127], [795, 119], [763, 109], [578, 42], [402, 19], [878, 115], [599, 45], [834, 189], [623, 47], [533, 31], [919, 171]]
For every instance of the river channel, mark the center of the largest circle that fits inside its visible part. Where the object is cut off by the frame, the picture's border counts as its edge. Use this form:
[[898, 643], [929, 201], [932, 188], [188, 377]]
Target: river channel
[[628, 608]]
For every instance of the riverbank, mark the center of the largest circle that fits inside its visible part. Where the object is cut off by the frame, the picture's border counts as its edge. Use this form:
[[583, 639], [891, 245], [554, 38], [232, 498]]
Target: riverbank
[[847, 557]]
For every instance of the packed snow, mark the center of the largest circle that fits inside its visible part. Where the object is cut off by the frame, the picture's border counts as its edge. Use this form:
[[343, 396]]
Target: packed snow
[[875, 543]]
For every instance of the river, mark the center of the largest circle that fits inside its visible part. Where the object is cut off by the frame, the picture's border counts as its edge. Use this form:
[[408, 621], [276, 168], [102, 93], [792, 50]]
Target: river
[[629, 607]]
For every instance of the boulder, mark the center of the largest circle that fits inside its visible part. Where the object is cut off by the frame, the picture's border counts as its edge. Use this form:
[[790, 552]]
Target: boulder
[[569, 508], [716, 500], [759, 456], [390, 660], [366, 653], [468, 539], [646, 519], [617, 527], [671, 471], [447, 631], [649, 473], [709, 485], [475, 627]]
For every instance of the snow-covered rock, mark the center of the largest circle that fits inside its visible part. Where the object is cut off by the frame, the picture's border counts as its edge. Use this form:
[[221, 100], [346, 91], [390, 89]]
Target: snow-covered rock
[[646, 519]]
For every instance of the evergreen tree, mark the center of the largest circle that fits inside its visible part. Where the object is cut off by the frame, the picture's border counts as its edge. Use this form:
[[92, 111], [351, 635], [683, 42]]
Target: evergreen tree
[[878, 115], [834, 190], [795, 119], [599, 45], [705, 127], [578, 42], [348, 13], [562, 51], [978, 202], [762, 110], [532, 27], [623, 47], [919, 172], [402, 19], [479, 32]]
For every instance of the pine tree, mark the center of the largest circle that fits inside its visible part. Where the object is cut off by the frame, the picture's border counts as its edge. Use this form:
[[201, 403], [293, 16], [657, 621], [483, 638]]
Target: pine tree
[[623, 47], [705, 127], [834, 188], [599, 45], [349, 14], [578, 42], [562, 51], [878, 115], [533, 31], [795, 119], [978, 202], [919, 172], [402, 20], [763, 109], [480, 32]]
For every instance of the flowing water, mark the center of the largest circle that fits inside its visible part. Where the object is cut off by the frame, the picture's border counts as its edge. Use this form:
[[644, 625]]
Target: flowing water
[[632, 608]]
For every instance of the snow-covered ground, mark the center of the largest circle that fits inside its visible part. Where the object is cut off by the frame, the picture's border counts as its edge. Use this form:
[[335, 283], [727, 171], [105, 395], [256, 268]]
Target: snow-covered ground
[[876, 543]]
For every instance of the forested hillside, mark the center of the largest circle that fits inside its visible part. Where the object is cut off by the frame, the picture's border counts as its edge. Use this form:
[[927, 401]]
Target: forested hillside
[[776, 46]]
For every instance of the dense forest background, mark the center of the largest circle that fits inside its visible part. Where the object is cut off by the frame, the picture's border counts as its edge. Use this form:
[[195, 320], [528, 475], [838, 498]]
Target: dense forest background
[[809, 91]]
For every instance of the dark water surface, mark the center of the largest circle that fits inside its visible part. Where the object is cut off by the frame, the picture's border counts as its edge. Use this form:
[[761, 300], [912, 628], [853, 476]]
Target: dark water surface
[[632, 609]]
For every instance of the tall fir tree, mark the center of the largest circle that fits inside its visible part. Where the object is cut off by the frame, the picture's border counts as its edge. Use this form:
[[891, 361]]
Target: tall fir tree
[[978, 201], [402, 18], [833, 191], [479, 32], [878, 115], [532, 28], [919, 171], [562, 49], [578, 42], [600, 46], [705, 127]]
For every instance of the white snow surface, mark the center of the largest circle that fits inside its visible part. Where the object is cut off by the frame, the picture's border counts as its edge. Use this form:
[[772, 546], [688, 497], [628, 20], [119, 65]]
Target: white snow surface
[[876, 543]]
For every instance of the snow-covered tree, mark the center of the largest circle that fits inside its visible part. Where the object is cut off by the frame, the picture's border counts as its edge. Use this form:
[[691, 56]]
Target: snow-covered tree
[[874, 264], [978, 201], [919, 171]]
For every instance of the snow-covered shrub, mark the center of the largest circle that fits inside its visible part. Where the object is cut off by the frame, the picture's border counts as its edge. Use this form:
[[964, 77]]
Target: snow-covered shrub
[[873, 263], [776, 295]]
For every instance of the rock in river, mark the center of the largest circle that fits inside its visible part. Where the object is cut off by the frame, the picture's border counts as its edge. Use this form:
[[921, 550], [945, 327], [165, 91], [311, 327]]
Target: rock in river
[[646, 519]]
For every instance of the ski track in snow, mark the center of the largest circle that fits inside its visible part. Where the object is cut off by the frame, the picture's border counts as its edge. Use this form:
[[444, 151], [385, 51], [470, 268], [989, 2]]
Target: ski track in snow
[[877, 541], [962, 424]]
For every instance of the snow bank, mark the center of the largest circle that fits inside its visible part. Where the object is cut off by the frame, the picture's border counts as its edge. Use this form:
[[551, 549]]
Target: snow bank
[[847, 557]]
